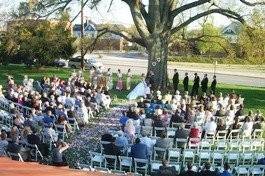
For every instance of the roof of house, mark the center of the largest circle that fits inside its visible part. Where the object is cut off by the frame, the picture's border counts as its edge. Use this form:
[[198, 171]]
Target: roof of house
[[233, 28]]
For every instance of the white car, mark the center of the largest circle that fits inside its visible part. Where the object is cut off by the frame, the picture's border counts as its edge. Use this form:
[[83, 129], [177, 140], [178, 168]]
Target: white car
[[88, 63]]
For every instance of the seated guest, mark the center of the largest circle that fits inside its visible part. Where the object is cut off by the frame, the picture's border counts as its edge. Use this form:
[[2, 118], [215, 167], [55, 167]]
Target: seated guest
[[240, 111], [210, 128], [141, 103], [139, 150], [3, 143], [123, 120], [14, 147], [221, 125], [166, 170], [58, 158], [48, 118], [195, 131], [225, 172], [121, 141], [247, 127], [189, 172], [129, 130], [33, 138], [49, 133], [177, 117], [221, 112], [163, 142], [148, 142], [206, 171], [259, 123], [112, 149]]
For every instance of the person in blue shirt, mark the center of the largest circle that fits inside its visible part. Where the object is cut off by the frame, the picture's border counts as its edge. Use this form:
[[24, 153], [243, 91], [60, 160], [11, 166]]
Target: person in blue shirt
[[225, 172], [123, 120], [139, 150], [48, 118]]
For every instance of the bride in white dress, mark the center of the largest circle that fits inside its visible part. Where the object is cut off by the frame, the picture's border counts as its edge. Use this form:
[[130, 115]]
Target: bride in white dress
[[140, 90]]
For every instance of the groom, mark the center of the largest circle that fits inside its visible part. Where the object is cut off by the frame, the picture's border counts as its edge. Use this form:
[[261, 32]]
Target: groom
[[150, 80]]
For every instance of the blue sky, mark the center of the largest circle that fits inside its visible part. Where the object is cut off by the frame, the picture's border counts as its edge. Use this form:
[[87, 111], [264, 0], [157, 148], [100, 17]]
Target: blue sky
[[119, 13]]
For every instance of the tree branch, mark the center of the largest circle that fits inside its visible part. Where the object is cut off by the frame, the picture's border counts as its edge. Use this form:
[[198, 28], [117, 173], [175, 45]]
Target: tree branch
[[188, 6], [122, 34], [225, 12], [252, 3]]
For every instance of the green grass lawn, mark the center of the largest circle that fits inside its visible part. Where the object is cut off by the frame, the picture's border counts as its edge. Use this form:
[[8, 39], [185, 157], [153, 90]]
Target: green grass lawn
[[254, 97]]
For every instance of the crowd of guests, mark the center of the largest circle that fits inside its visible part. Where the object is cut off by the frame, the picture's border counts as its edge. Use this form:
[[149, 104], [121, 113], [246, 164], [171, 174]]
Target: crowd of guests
[[197, 117], [44, 106]]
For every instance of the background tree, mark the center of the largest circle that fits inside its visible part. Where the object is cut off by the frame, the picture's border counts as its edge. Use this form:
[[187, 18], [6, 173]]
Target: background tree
[[252, 38], [154, 22], [41, 41]]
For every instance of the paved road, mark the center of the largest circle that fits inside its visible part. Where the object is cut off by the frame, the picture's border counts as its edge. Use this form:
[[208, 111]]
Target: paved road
[[139, 66]]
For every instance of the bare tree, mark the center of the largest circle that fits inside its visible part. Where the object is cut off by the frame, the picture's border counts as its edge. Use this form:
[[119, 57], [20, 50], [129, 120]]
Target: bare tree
[[154, 22]]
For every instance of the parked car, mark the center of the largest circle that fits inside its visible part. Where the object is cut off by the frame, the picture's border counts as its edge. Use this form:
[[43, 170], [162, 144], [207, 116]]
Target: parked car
[[61, 63], [88, 63]]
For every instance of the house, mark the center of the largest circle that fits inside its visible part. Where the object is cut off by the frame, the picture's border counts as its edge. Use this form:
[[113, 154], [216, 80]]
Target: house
[[108, 41], [90, 29], [232, 31]]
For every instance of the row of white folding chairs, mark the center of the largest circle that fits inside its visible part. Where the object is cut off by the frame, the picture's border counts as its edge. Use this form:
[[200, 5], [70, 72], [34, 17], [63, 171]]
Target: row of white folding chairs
[[215, 157], [124, 161]]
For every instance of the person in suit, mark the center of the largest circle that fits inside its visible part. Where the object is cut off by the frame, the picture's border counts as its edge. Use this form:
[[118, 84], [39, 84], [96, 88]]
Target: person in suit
[[213, 85], [166, 170], [186, 82], [181, 133], [175, 80], [204, 83], [139, 150], [206, 171], [196, 85], [189, 172]]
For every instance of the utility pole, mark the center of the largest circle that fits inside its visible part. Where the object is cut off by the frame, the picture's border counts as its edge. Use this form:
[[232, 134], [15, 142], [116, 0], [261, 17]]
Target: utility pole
[[82, 35]]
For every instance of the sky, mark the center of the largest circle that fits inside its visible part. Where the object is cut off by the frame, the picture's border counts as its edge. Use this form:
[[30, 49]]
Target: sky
[[119, 13]]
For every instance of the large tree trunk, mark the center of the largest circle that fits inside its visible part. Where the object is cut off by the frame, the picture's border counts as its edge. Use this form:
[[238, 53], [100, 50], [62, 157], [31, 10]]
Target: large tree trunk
[[157, 60]]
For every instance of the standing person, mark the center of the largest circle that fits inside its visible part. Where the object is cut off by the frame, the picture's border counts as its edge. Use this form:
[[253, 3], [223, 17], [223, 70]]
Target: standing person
[[128, 79], [186, 82], [213, 85], [119, 85], [175, 80], [58, 158], [109, 79], [196, 85], [204, 83]]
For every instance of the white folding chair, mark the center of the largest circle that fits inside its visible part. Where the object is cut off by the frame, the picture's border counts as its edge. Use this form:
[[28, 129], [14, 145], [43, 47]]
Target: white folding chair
[[257, 144], [147, 130], [221, 134], [158, 130], [218, 158], [205, 144], [234, 144], [110, 161], [60, 129], [257, 134], [257, 170], [247, 158], [181, 143], [188, 155], [242, 171], [159, 153], [96, 158], [15, 156], [177, 166], [125, 162], [194, 143], [246, 145], [154, 165], [234, 134], [221, 144], [233, 157], [204, 156], [174, 155], [171, 132], [34, 150], [143, 165]]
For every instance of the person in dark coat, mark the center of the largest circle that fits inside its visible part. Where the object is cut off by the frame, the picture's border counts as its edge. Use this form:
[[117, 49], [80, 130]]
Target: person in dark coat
[[186, 82], [166, 170], [196, 85], [213, 85], [207, 172], [139, 150], [189, 172], [204, 83], [175, 80]]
